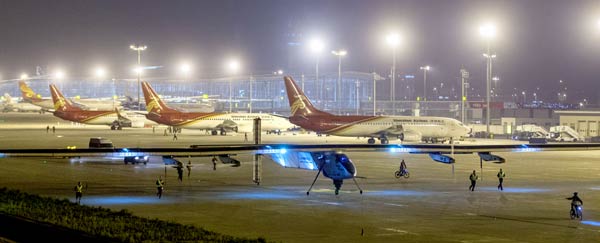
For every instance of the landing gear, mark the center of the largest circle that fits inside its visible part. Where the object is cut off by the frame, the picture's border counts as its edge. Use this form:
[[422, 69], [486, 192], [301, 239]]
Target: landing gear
[[384, 140], [371, 141]]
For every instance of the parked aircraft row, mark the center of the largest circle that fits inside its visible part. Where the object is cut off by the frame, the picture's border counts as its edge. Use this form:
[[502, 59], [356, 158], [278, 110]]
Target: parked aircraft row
[[303, 114]]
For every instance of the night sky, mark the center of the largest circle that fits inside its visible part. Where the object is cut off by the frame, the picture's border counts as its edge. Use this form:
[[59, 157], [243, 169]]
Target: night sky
[[540, 41]]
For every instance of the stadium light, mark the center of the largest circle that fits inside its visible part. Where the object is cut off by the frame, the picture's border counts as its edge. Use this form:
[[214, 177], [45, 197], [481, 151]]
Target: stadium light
[[24, 76]]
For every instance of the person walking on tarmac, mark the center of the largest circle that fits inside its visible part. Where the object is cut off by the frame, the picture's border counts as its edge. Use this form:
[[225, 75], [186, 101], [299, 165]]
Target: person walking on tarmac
[[180, 170], [189, 168], [214, 161], [47, 129], [501, 176], [78, 192], [473, 177], [159, 187]]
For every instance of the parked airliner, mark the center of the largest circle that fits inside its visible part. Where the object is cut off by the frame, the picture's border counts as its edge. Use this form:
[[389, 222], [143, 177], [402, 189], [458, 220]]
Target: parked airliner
[[159, 112], [305, 115], [64, 109]]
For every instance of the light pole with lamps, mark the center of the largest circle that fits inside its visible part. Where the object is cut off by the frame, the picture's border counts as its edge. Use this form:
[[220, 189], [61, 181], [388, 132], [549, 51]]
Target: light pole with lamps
[[233, 67], [316, 46], [425, 69], [100, 75], [59, 76], [393, 40], [339, 53], [139, 49], [185, 70], [488, 31]]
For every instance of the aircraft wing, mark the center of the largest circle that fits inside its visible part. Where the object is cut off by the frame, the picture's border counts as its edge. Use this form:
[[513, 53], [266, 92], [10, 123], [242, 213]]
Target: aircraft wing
[[263, 149]]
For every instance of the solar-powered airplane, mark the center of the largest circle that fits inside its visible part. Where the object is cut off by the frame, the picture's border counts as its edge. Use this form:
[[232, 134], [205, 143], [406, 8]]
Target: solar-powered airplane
[[433, 129], [159, 112], [326, 158]]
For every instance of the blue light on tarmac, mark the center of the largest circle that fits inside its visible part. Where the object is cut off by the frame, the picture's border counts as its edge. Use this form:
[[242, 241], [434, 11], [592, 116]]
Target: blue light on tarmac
[[260, 195], [400, 149], [525, 148], [397, 193], [514, 189], [592, 223], [121, 200]]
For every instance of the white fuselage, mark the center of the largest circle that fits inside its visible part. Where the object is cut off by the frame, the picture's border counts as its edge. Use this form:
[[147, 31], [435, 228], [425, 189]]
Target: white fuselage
[[243, 121], [427, 127]]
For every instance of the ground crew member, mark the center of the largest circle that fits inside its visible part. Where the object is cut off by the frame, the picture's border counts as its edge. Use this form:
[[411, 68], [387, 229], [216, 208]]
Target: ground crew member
[[214, 161], [53, 129], [180, 170], [473, 177], [501, 176], [174, 136], [47, 129], [245, 137], [78, 192], [159, 187], [189, 167]]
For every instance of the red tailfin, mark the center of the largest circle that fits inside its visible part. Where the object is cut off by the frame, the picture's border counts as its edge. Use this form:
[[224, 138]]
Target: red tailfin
[[153, 101], [300, 105], [60, 103]]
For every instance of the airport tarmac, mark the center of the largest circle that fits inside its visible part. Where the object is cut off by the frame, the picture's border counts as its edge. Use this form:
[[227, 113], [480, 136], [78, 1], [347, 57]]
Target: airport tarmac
[[433, 205]]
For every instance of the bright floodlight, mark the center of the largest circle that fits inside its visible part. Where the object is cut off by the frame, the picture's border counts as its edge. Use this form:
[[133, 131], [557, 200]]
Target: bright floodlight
[[488, 30], [138, 70], [339, 52], [316, 45], [137, 47], [59, 74], [280, 72], [185, 68], [393, 39], [426, 68], [24, 76], [100, 72], [233, 66]]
